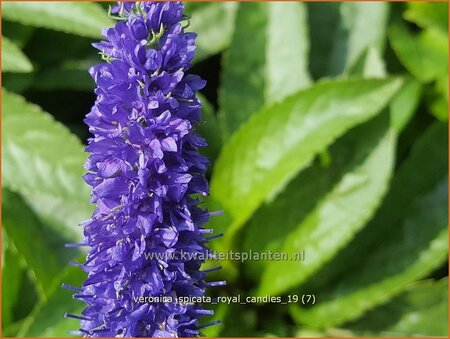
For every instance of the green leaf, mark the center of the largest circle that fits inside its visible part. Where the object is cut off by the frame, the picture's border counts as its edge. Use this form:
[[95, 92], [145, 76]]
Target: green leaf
[[35, 246], [11, 279], [356, 191], [404, 104], [439, 102], [363, 24], [11, 330], [424, 166], [370, 64], [345, 31], [47, 318], [432, 15], [424, 55], [214, 23], [381, 277], [439, 108], [280, 140], [43, 161], [261, 67], [81, 18], [286, 21], [406, 241], [420, 311], [13, 59], [303, 195]]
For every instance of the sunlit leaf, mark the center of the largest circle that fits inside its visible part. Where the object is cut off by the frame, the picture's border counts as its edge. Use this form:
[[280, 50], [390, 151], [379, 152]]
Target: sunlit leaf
[[420, 311], [47, 318], [37, 247], [260, 67], [282, 139], [424, 55], [406, 240], [342, 32], [405, 103], [43, 161], [81, 18], [12, 272], [432, 15], [326, 206], [213, 23], [13, 59]]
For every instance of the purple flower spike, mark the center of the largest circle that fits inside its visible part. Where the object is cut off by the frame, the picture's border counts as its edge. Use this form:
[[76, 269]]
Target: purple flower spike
[[146, 236]]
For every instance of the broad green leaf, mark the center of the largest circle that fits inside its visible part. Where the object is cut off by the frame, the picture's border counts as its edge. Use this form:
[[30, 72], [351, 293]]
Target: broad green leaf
[[266, 62], [35, 245], [406, 241], [442, 87], [410, 253], [439, 108], [425, 166], [213, 23], [12, 272], [26, 299], [280, 140], [13, 59], [81, 18], [404, 104], [47, 318], [12, 329], [432, 15], [338, 214], [44, 162], [420, 311], [263, 232], [364, 26], [345, 31], [304, 194], [424, 55], [439, 101], [369, 64], [286, 64]]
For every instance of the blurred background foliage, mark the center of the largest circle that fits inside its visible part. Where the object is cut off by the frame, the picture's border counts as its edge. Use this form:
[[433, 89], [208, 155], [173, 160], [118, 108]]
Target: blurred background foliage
[[327, 131]]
